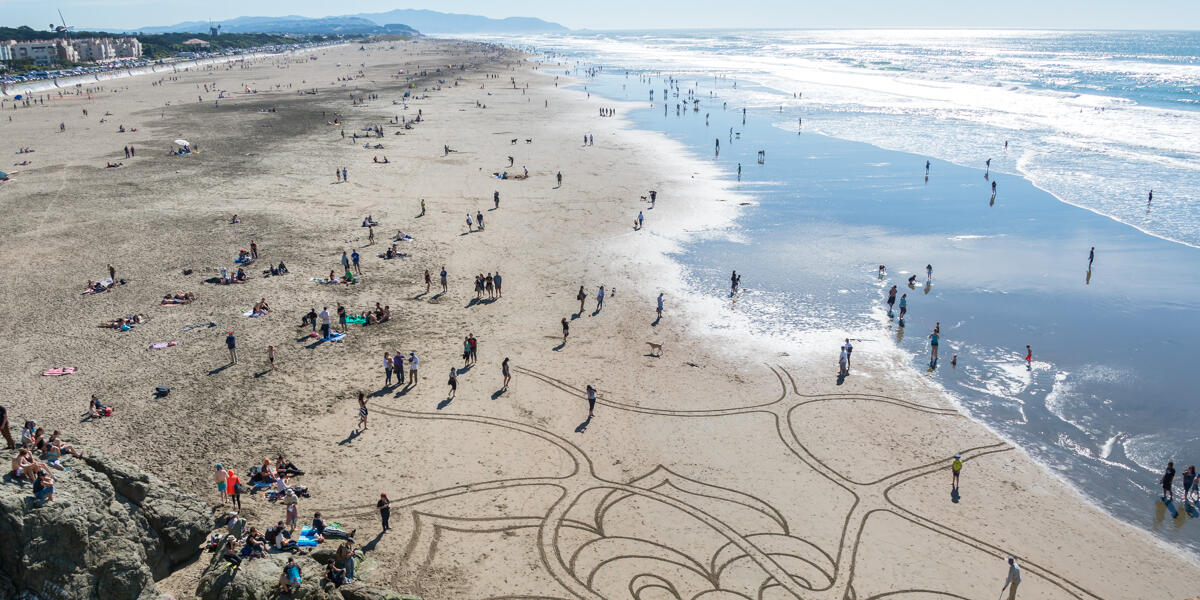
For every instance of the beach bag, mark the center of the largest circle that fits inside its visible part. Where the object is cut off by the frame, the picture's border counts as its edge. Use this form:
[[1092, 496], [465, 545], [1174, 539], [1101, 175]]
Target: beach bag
[[107, 411], [238, 488]]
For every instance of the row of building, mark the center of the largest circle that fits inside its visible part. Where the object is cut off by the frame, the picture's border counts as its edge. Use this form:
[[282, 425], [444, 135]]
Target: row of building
[[76, 50]]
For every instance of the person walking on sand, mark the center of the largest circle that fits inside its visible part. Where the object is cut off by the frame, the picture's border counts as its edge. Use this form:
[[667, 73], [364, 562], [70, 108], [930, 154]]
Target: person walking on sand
[[443, 276], [231, 344], [955, 469], [496, 197], [370, 235], [233, 485], [1168, 480], [336, 171], [599, 299], [470, 224], [559, 177], [849, 348], [428, 281], [271, 356], [1028, 357], [385, 510], [566, 330], [345, 177], [453, 383], [412, 368], [591, 398], [659, 310], [1013, 580], [933, 348], [843, 363], [220, 476], [362, 411], [640, 219], [581, 296], [504, 370]]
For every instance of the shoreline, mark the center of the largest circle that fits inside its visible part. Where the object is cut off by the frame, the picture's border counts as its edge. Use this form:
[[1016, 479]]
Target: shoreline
[[681, 434]]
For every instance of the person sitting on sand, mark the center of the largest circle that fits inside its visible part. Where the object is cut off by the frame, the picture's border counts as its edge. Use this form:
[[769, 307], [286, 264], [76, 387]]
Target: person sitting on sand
[[97, 409], [179, 297], [241, 275], [26, 466], [281, 540], [261, 308], [112, 165], [243, 255], [318, 525], [370, 318], [285, 467], [280, 270], [234, 220], [310, 318], [349, 278]]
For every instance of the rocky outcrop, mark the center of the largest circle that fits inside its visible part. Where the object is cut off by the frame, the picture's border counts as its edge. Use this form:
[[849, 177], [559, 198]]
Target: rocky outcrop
[[258, 579], [110, 533]]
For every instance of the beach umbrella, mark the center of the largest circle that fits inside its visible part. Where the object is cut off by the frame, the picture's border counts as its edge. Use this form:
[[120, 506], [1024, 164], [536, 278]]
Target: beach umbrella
[[182, 142]]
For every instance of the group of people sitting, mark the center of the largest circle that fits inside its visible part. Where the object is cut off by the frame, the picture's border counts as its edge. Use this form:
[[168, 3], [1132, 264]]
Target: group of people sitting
[[260, 308], [36, 456], [97, 409], [238, 277], [179, 297], [393, 253], [124, 323], [379, 315], [382, 162]]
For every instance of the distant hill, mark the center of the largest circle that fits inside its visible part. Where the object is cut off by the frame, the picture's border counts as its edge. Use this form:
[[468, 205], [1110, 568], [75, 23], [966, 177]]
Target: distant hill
[[430, 21], [414, 21], [291, 24]]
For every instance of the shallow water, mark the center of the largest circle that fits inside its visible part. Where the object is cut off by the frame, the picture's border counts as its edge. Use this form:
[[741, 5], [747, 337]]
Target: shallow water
[[1108, 398]]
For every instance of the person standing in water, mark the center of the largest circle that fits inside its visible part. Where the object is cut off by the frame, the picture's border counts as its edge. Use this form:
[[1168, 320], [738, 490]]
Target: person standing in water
[[928, 273], [927, 168], [891, 299], [1091, 257], [903, 306], [1028, 357], [1150, 197], [988, 171], [659, 310], [734, 280], [933, 348], [1168, 480]]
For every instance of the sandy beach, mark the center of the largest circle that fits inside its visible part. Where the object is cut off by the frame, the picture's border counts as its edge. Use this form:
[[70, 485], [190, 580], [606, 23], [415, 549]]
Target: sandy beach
[[711, 471]]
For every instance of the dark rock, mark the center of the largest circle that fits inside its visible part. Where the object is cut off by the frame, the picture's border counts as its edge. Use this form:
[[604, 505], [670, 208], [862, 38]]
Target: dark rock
[[110, 533]]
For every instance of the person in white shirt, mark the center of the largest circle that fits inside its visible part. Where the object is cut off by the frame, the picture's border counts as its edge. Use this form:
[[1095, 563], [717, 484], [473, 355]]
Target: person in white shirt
[[1013, 580], [412, 368], [849, 351], [843, 363], [323, 316]]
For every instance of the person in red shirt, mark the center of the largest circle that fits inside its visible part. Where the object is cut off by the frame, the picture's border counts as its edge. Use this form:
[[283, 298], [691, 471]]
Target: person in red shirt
[[233, 485]]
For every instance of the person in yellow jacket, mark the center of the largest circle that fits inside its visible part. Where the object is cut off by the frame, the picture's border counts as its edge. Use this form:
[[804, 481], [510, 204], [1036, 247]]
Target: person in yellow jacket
[[956, 467]]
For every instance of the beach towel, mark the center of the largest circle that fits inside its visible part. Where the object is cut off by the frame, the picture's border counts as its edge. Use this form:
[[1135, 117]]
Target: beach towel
[[308, 537], [356, 320], [247, 260], [250, 313], [323, 280], [56, 371], [335, 337], [161, 345]]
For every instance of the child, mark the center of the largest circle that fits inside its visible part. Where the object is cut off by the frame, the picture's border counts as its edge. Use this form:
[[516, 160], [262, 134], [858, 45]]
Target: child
[[271, 356]]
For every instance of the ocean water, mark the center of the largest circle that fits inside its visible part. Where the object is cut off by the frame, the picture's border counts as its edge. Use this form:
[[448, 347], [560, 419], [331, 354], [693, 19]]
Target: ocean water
[[1093, 121]]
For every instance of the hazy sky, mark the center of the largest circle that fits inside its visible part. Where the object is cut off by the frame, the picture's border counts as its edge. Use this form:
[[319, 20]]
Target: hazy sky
[[636, 14]]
